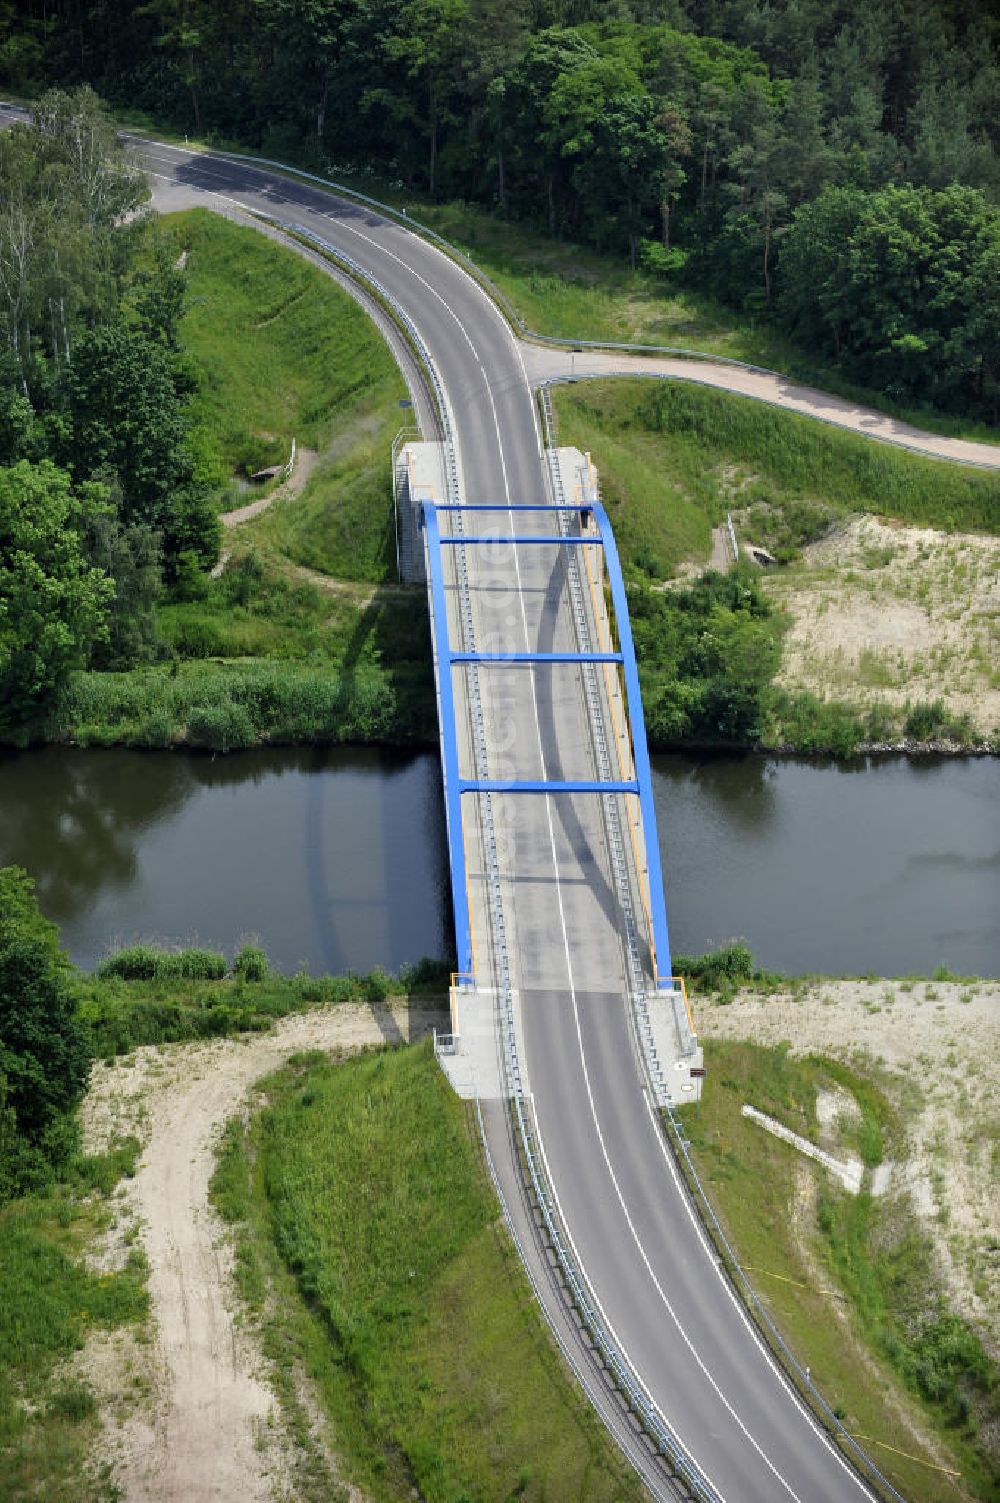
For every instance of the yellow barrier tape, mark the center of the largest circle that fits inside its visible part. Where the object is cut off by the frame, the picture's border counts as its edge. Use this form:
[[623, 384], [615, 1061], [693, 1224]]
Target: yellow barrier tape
[[767, 1272], [947, 1470]]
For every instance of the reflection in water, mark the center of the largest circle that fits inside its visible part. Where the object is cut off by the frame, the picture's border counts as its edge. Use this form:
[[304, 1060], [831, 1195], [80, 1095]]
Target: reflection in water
[[74, 819], [741, 789], [336, 860], [879, 865], [333, 860]]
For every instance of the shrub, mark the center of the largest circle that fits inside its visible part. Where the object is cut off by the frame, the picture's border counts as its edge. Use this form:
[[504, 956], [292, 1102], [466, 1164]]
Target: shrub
[[74, 1401], [251, 963], [926, 720], [135, 963], [811, 724], [145, 963], [196, 636], [718, 970], [195, 965], [223, 726]]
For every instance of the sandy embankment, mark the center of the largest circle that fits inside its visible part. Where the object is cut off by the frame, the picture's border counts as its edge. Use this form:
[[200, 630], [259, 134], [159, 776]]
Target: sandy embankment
[[940, 1042], [203, 1426]]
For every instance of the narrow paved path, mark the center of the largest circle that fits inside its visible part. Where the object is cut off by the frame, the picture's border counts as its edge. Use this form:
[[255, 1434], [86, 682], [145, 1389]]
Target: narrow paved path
[[545, 363]]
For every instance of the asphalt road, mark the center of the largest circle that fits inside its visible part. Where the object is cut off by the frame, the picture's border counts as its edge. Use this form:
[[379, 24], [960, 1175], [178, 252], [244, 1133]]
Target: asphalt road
[[645, 1256]]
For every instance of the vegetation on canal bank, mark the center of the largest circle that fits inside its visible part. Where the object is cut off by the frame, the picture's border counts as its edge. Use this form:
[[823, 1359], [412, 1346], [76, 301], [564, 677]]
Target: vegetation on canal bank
[[674, 460], [55, 1020], [371, 1251], [304, 637], [850, 1280], [144, 995]]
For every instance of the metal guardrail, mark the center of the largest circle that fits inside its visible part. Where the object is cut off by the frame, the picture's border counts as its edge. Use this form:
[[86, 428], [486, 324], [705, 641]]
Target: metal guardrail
[[794, 1369], [634, 1393], [406, 435]]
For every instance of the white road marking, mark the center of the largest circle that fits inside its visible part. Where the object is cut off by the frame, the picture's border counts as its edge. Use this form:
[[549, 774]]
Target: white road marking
[[375, 245], [738, 1305]]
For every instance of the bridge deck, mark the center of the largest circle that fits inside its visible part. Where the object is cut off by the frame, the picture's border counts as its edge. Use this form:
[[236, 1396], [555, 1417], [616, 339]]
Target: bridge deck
[[616, 1186], [622, 1204]]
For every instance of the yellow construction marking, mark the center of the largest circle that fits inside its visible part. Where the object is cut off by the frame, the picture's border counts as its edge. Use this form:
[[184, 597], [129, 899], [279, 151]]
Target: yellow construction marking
[[948, 1471], [687, 1001], [768, 1273], [468, 898]]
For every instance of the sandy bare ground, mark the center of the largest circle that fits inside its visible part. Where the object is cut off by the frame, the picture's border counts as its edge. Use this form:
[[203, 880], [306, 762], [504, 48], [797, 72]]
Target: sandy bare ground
[[546, 364], [940, 1044], [883, 613], [205, 1427]]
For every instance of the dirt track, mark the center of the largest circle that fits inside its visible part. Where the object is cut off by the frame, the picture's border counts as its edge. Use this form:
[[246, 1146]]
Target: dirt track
[[207, 1433]]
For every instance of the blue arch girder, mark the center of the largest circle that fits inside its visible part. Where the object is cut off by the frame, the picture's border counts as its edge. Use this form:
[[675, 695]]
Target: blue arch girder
[[447, 658]]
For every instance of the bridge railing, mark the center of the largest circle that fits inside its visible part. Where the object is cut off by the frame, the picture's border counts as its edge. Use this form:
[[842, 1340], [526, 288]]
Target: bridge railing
[[638, 1399], [654, 1424]]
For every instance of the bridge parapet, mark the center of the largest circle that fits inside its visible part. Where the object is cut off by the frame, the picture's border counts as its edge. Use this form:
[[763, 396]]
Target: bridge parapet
[[418, 475], [673, 1058]]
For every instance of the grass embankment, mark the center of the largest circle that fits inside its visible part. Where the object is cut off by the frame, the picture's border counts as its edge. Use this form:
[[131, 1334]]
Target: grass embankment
[[370, 1249], [275, 650], [674, 460], [568, 291], [846, 1275], [51, 1302], [142, 995], [282, 352]]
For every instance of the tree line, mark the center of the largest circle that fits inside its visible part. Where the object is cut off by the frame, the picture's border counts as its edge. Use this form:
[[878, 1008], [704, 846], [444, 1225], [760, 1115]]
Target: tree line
[[691, 135], [101, 503]]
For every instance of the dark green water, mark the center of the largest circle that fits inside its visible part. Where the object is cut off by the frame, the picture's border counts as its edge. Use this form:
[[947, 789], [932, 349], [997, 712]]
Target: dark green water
[[335, 860]]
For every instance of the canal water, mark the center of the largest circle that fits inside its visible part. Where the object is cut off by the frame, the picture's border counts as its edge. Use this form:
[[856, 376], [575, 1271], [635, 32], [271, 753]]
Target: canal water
[[335, 860]]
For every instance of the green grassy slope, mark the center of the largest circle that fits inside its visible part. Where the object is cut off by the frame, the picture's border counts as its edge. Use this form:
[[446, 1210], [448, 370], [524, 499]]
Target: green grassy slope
[[674, 459], [843, 1275], [361, 1199]]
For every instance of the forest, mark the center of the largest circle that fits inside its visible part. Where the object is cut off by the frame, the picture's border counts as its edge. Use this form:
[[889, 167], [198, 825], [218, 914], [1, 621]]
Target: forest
[[824, 164], [101, 500]]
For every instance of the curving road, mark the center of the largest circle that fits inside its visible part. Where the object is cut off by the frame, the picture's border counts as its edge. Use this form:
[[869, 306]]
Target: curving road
[[662, 1294], [671, 1310]]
